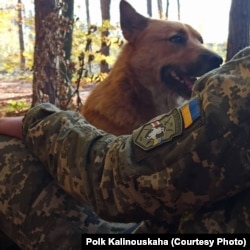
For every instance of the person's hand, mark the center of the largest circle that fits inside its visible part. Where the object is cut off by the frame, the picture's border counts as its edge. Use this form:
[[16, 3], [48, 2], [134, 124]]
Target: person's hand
[[11, 126]]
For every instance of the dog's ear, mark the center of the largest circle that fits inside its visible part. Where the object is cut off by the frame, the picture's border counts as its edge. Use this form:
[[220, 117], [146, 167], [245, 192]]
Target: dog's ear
[[131, 22]]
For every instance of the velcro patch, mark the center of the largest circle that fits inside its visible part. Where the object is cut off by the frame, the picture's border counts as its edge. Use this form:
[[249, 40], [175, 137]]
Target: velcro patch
[[165, 127], [156, 132], [190, 112]]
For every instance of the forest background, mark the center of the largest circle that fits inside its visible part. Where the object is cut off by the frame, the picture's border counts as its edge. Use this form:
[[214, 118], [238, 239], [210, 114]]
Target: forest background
[[78, 41]]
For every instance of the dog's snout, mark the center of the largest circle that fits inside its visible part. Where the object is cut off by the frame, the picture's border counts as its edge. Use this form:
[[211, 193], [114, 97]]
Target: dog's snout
[[212, 59], [206, 62], [216, 60]]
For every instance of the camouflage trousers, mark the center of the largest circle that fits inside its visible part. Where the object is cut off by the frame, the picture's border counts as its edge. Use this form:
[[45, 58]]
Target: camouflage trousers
[[231, 216], [37, 214]]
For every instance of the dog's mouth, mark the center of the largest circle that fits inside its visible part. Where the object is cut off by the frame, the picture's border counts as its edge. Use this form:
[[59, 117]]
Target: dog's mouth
[[186, 80], [181, 80], [177, 81]]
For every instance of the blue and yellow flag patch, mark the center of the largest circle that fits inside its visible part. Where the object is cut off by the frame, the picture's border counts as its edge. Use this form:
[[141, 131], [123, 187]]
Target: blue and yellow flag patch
[[190, 112], [165, 127]]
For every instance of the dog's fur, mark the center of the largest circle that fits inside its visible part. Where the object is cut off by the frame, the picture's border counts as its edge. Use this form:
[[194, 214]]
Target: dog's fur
[[156, 68]]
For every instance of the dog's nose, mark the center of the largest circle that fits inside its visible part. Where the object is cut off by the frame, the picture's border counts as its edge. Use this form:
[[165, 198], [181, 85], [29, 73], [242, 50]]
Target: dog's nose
[[216, 60], [209, 61]]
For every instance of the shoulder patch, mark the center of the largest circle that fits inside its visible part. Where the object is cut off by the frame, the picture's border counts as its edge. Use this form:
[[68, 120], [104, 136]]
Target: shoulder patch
[[158, 131], [165, 127], [190, 112]]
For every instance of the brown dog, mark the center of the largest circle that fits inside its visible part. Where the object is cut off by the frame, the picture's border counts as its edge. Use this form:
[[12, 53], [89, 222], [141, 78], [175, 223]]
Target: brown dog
[[154, 72]]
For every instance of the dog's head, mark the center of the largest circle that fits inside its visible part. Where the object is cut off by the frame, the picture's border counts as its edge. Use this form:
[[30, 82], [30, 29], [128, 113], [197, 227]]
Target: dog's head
[[165, 53]]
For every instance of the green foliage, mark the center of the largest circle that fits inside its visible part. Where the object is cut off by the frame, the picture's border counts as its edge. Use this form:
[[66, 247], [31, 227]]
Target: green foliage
[[10, 57], [86, 40], [8, 31], [10, 61], [16, 106], [9, 44]]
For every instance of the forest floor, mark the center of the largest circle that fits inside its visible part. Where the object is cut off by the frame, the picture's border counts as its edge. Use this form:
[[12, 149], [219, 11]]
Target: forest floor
[[15, 96]]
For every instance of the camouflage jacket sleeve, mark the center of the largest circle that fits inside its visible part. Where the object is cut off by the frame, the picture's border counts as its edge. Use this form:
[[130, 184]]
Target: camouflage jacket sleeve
[[180, 161]]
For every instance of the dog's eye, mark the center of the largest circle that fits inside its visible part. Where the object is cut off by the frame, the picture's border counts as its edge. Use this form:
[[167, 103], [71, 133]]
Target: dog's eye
[[177, 39]]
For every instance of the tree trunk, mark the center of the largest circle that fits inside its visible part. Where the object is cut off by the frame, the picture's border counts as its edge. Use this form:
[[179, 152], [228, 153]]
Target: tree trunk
[[42, 9], [167, 9], [69, 13], [105, 10], [149, 7], [50, 83], [239, 27], [87, 12], [20, 31], [160, 9], [179, 10]]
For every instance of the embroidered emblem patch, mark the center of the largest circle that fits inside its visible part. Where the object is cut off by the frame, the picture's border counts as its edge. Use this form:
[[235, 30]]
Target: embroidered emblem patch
[[165, 127], [156, 132]]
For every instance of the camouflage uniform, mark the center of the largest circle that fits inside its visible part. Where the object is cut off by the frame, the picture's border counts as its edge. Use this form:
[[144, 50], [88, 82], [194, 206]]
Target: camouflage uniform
[[35, 212], [189, 168]]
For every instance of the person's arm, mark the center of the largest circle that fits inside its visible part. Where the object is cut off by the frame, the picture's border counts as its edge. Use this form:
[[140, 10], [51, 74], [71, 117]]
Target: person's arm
[[132, 177], [181, 161], [11, 126]]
